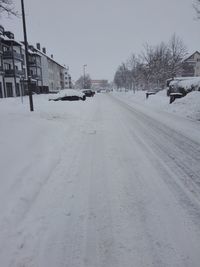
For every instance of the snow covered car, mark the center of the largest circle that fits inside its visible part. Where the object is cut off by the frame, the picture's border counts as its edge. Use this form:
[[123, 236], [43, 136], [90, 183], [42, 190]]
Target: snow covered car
[[88, 92], [68, 95]]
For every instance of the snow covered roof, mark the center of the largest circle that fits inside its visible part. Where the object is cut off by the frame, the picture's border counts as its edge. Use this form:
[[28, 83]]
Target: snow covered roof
[[187, 57], [6, 39], [39, 51]]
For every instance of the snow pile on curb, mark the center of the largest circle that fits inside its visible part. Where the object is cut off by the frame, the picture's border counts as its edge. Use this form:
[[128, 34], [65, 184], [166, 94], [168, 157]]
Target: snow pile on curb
[[188, 106], [187, 83]]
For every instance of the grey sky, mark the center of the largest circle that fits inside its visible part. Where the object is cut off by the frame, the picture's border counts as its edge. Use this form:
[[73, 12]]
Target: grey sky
[[103, 33]]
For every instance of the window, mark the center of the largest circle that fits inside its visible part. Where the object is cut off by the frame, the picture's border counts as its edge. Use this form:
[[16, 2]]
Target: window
[[5, 48], [9, 89], [1, 93], [7, 66]]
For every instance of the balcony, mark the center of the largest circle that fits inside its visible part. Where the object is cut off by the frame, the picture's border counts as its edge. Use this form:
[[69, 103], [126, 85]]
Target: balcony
[[36, 77], [10, 55], [12, 73], [34, 64]]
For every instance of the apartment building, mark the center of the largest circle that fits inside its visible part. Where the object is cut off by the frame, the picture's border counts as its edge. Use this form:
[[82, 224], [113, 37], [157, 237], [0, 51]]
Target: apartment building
[[53, 73], [47, 75], [12, 71]]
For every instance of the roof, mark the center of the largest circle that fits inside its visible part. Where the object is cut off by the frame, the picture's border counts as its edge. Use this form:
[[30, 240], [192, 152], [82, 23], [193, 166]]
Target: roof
[[188, 57], [8, 40], [39, 51]]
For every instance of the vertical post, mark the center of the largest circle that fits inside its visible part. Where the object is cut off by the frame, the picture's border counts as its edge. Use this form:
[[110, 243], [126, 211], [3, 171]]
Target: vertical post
[[84, 76], [26, 54]]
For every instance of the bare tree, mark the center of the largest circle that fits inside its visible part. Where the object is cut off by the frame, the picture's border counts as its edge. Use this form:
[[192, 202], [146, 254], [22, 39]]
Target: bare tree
[[84, 82], [153, 66], [7, 6], [178, 51], [122, 78]]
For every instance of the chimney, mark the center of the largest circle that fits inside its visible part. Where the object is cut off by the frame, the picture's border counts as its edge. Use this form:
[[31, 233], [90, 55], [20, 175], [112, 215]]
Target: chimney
[[44, 50], [51, 55], [38, 46]]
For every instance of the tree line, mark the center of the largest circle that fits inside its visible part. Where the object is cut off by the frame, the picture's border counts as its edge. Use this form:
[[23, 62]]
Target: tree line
[[152, 67]]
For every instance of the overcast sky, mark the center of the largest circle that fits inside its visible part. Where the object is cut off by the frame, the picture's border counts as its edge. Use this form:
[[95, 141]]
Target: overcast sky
[[103, 33]]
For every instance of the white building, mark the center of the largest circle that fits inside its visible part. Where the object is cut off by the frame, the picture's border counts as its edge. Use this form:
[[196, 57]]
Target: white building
[[53, 73]]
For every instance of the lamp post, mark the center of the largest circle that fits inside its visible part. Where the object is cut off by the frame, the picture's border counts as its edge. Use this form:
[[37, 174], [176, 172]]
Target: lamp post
[[84, 66], [26, 55]]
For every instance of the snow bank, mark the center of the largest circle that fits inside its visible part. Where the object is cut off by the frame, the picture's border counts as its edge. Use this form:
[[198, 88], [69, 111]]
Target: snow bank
[[188, 83], [188, 106]]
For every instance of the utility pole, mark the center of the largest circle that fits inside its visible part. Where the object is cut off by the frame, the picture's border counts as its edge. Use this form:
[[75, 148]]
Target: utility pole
[[84, 75], [26, 55]]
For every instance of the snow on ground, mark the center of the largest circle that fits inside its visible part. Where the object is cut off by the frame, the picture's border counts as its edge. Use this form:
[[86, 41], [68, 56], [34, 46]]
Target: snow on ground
[[98, 183], [188, 106], [31, 145]]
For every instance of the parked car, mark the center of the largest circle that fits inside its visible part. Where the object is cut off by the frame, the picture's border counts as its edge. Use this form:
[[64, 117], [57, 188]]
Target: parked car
[[69, 95], [88, 92]]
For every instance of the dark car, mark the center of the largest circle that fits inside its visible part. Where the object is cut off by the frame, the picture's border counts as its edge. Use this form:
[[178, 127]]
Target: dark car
[[88, 92], [69, 95], [70, 98]]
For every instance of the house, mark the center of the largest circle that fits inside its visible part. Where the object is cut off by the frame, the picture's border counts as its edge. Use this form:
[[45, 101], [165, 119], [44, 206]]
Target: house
[[191, 65]]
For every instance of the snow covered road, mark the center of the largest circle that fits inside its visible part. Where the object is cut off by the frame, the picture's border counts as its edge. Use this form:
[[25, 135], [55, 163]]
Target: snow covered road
[[121, 189]]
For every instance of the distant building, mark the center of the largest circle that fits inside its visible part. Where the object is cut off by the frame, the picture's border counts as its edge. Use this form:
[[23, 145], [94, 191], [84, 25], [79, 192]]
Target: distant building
[[191, 65], [99, 84]]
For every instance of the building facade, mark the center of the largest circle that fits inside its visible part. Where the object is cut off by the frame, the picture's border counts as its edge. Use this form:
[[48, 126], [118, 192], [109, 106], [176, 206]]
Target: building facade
[[12, 66], [191, 65], [46, 74], [67, 79]]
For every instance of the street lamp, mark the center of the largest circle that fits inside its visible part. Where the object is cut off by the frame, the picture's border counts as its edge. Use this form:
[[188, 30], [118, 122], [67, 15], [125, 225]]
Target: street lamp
[[26, 55], [84, 66]]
